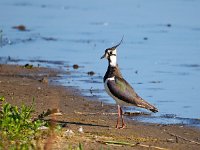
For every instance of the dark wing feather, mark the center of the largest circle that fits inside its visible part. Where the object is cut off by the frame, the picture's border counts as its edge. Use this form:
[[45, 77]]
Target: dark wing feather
[[123, 91]]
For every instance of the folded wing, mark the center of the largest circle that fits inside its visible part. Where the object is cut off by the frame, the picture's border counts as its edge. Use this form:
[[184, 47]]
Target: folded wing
[[123, 91]]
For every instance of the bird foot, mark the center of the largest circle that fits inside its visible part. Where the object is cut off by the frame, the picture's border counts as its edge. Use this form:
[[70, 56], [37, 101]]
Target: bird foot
[[117, 127], [122, 127]]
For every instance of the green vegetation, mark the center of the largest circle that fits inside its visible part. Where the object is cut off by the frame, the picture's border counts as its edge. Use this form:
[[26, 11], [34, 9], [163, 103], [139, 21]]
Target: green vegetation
[[17, 130]]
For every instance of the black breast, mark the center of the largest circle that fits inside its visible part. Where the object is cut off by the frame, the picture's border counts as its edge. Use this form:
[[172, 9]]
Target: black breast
[[112, 71]]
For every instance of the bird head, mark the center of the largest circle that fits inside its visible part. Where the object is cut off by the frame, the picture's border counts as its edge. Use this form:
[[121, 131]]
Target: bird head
[[111, 54]]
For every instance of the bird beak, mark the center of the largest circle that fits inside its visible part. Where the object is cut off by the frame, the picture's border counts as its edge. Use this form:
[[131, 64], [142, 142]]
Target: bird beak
[[103, 56]]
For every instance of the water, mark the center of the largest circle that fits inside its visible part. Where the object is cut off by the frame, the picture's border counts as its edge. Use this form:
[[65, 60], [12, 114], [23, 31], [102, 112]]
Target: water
[[159, 56]]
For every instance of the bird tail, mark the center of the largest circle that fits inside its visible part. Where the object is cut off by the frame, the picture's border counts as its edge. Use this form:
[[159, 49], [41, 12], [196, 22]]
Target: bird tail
[[146, 105]]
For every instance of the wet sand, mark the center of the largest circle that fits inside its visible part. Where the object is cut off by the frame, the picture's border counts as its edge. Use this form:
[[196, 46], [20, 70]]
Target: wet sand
[[20, 85]]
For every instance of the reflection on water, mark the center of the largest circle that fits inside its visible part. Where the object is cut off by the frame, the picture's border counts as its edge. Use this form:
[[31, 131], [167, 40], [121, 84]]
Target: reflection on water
[[159, 56]]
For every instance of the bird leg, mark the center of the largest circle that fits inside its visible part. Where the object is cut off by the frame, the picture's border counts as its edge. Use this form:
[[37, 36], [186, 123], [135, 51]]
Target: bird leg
[[120, 115]]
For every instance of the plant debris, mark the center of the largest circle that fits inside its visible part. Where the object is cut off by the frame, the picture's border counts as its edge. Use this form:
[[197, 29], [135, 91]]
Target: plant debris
[[136, 113], [50, 112], [120, 143], [28, 66]]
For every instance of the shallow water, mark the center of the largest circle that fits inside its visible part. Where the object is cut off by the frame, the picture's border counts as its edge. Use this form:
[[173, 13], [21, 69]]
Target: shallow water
[[159, 56]]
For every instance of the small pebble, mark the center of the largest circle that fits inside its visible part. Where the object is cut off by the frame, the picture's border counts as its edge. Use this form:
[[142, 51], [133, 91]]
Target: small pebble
[[44, 80], [75, 66], [145, 38], [80, 129], [69, 133], [20, 27], [91, 73], [43, 128], [101, 104], [169, 25]]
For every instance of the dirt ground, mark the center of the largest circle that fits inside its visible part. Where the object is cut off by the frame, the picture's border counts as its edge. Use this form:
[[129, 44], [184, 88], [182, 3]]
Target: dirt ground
[[20, 85]]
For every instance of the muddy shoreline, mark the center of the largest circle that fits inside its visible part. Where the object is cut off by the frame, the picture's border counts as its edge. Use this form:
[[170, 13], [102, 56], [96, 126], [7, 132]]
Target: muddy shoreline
[[20, 85]]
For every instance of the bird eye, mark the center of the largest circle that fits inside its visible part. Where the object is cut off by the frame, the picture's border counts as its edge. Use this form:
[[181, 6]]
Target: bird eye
[[109, 52]]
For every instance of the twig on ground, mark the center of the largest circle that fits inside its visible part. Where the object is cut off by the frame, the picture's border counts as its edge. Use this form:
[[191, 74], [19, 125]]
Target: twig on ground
[[86, 113], [178, 136], [125, 113], [119, 143]]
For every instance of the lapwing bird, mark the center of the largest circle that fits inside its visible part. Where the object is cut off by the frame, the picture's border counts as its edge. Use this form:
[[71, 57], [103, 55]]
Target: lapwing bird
[[119, 89]]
